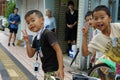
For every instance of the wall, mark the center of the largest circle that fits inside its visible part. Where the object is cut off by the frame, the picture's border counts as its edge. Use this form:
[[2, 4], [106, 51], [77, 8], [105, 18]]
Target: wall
[[82, 9], [49, 5], [2, 7], [24, 6], [60, 17], [19, 2]]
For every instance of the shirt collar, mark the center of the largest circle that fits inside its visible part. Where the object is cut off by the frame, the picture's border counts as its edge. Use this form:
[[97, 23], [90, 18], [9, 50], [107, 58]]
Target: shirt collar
[[39, 33]]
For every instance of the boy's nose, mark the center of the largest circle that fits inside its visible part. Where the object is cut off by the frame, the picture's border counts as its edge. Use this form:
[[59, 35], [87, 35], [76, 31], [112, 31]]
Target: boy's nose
[[99, 20], [30, 24]]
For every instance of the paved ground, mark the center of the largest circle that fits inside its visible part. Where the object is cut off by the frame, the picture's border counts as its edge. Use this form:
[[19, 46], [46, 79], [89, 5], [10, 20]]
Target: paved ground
[[19, 54], [13, 72]]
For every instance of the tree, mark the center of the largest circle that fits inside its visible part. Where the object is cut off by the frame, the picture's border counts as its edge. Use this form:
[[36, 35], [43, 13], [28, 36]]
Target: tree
[[11, 4], [9, 8]]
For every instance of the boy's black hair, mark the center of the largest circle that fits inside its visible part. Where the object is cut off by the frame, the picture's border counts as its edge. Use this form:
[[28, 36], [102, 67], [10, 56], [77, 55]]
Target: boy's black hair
[[38, 13], [70, 3], [15, 8], [103, 8], [88, 14]]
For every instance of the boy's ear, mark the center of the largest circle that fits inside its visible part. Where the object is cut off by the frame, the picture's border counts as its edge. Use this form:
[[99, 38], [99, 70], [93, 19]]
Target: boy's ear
[[110, 19], [42, 19]]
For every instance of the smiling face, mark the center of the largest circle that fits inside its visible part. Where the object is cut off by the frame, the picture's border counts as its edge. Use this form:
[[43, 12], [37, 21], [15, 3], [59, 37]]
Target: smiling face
[[34, 22], [89, 20], [101, 20]]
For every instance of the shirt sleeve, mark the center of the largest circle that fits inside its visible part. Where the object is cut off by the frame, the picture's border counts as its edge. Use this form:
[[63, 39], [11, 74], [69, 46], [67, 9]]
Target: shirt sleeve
[[54, 22], [66, 17], [91, 48], [19, 20], [10, 18], [93, 45], [116, 25], [51, 37]]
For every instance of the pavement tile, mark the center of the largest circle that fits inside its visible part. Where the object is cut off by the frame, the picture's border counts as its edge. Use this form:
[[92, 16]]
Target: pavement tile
[[13, 71], [20, 54]]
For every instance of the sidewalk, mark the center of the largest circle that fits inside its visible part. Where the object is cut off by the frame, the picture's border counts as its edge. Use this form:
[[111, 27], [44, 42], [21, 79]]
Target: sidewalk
[[20, 54], [0, 77]]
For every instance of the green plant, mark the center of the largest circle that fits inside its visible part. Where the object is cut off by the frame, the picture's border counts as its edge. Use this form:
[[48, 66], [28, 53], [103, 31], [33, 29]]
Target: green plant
[[9, 8]]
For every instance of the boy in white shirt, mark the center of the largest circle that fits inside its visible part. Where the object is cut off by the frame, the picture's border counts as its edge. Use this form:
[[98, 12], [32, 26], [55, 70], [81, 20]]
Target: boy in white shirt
[[108, 41]]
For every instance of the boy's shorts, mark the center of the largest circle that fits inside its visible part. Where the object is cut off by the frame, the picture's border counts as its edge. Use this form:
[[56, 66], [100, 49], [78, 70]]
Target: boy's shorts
[[12, 30], [50, 75]]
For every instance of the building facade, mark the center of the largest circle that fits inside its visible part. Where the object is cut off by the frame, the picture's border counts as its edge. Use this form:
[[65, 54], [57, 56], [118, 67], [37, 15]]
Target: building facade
[[2, 7]]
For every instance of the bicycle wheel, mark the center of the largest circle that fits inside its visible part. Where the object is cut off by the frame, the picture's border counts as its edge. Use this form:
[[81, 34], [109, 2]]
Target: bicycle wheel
[[101, 71]]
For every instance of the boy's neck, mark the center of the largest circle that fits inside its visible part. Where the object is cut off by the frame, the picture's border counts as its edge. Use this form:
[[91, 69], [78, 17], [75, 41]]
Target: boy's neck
[[107, 31]]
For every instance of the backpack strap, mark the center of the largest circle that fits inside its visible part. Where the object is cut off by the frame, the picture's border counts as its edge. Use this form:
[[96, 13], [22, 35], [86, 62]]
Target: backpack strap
[[39, 45]]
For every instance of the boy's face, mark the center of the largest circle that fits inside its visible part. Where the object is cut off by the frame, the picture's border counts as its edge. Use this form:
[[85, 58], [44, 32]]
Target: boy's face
[[89, 20], [34, 22], [15, 11], [101, 20]]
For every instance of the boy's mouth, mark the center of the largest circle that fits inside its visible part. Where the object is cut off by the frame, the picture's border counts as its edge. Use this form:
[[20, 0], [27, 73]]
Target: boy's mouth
[[90, 24], [31, 28], [100, 25]]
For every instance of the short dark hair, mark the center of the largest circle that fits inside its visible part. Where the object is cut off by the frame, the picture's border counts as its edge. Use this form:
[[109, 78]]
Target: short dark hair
[[70, 3], [88, 14], [15, 8], [103, 8], [38, 13]]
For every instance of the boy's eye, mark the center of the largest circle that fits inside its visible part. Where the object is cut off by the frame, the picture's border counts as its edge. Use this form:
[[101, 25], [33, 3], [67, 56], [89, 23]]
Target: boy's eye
[[95, 18], [90, 18], [32, 20], [102, 17]]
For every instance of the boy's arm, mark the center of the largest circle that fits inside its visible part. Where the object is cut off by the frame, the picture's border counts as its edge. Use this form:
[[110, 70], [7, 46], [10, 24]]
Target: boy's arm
[[30, 50], [85, 51], [93, 58], [58, 50]]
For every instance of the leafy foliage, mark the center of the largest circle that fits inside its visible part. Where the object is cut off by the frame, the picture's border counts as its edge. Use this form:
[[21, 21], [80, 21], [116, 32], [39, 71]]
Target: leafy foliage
[[9, 8]]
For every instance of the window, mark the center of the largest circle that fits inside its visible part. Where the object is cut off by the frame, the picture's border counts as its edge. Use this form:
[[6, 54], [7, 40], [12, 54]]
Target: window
[[119, 11]]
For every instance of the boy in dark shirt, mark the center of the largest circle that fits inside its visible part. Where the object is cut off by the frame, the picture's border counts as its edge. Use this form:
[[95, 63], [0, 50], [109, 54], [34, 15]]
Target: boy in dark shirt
[[45, 44]]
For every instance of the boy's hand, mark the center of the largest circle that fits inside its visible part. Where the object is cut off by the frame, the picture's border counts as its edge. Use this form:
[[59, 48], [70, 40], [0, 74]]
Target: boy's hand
[[13, 22], [85, 29], [25, 35], [60, 74], [92, 60]]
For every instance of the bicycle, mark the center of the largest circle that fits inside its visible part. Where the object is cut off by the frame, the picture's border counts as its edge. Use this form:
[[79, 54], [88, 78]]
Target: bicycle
[[104, 70]]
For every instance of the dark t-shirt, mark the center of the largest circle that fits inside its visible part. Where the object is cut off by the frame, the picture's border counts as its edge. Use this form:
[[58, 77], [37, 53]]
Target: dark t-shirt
[[49, 59]]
